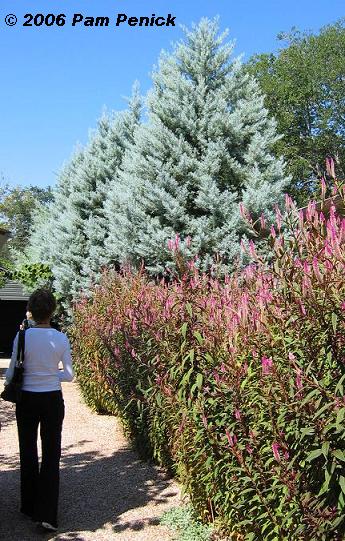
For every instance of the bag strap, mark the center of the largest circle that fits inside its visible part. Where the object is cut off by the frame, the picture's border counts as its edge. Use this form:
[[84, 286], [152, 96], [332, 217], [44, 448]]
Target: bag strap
[[21, 347]]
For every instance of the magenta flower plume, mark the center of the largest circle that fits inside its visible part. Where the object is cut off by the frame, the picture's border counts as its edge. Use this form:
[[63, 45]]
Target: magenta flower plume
[[275, 449], [316, 269], [278, 218], [288, 202], [323, 188], [232, 439], [267, 365], [238, 415], [330, 167], [299, 383]]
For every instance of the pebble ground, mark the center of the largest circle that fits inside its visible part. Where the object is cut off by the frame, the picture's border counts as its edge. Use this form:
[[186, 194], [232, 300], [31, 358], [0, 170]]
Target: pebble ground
[[106, 492]]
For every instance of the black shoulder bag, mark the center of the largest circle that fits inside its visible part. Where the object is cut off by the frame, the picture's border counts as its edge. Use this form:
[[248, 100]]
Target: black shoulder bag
[[13, 391]]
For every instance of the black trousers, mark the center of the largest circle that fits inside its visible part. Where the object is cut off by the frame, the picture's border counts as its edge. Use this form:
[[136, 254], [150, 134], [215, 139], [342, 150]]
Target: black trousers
[[40, 485]]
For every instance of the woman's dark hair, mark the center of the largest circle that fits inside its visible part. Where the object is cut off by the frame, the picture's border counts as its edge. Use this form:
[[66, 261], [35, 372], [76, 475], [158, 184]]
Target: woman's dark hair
[[41, 304]]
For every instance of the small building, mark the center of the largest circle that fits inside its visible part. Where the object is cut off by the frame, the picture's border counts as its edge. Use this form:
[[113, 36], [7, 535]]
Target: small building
[[13, 303], [4, 235]]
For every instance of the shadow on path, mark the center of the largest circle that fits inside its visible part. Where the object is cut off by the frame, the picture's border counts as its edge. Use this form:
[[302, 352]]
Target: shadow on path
[[95, 490]]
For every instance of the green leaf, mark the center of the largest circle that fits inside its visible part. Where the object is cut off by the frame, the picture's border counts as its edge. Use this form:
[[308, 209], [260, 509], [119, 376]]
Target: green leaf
[[337, 521], [339, 454], [307, 431], [342, 483], [340, 417], [191, 355], [199, 337], [334, 322], [186, 377], [189, 309], [314, 454], [340, 387], [325, 448], [209, 358], [184, 330], [199, 380], [309, 396]]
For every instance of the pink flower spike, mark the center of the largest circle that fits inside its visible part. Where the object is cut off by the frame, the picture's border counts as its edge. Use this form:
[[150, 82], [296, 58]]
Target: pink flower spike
[[302, 308], [288, 201], [275, 449], [342, 306], [243, 211], [249, 449], [330, 167], [278, 218], [266, 364], [301, 218], [291, 356], [323, 188], [306, 267], [252, 250], [231, 438], [238, 415], [316, 269], [299, 383], [273, 232]]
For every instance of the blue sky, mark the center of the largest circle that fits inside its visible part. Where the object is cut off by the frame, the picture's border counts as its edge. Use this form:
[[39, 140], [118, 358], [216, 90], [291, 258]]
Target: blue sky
[[57, 81]]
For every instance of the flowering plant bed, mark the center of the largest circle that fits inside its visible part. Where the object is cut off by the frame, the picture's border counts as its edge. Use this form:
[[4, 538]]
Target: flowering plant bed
[[236, 384]]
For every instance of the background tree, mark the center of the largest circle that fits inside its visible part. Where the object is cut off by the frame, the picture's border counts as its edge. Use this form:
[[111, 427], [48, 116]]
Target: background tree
[[205, 148], [304, 87], [17, 207]]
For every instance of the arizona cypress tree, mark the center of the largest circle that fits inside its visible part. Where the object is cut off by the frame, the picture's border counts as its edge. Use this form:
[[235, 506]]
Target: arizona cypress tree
[[46, 239], [205, 148], [102, 164], [76, 225]]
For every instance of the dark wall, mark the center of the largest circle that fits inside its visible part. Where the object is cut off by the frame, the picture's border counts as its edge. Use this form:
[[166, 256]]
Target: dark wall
[[12, 314]]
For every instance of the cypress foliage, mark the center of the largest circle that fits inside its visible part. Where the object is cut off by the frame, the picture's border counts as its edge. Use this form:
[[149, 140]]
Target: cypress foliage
[[77, 226], [205, 149]]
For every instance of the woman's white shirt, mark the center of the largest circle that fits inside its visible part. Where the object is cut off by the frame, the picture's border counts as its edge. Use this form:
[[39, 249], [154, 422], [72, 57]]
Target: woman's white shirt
[[45, 349]]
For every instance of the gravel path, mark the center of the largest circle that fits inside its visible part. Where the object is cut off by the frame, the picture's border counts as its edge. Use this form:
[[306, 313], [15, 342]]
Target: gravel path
[[106, 492]]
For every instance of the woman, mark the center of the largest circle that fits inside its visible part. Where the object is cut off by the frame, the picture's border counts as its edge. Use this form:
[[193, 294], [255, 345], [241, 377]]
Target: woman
[[41, 404]]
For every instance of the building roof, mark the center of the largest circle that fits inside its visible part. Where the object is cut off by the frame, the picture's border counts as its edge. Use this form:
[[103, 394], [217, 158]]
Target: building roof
[[13, 291]]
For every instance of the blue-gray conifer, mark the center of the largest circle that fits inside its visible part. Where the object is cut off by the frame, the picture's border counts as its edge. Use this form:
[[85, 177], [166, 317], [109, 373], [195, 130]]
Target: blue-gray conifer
[[205, 149]]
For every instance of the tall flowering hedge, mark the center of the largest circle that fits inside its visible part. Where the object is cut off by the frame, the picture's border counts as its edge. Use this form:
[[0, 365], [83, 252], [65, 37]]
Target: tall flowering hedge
[[236, 384]]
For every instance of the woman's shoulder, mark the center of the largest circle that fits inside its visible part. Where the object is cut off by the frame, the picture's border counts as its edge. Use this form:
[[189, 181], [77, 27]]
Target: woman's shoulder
[[62, 336]]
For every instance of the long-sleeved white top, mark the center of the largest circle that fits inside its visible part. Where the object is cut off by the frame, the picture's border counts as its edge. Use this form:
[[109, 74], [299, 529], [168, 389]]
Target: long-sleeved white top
[[45, 348]]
